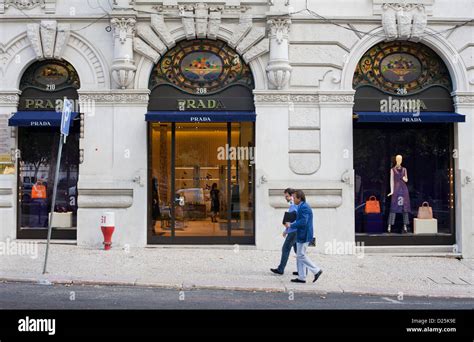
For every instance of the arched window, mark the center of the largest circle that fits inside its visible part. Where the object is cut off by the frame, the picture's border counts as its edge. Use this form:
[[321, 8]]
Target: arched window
[[43, 87], [45, 82], [201, 133], [201, 74], [403, 125], [402, 69]]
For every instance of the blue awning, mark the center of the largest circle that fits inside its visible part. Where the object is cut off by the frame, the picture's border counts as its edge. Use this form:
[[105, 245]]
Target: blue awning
[[197, 116], [422, 117], [37, 119]]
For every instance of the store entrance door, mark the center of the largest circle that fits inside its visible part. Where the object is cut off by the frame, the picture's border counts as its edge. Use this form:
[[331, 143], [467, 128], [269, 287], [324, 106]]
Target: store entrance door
[[201, 179], [201, 121], [44, 85], [37, 160]]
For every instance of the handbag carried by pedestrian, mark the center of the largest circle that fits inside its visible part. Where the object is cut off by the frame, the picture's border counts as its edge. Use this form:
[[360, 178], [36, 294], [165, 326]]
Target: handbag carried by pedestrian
[[425, 211], [372, 206]]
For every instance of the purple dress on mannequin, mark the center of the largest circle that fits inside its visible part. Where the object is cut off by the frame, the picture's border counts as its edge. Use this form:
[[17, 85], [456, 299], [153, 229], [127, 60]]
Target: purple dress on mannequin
[[400, 197]]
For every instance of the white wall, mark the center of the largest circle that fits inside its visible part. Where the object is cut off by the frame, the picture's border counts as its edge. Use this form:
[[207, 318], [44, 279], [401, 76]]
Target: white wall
[[323, 58], [115, 160]]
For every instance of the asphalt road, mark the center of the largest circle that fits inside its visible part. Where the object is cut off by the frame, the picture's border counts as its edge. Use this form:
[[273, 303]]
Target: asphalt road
[[27, 296]]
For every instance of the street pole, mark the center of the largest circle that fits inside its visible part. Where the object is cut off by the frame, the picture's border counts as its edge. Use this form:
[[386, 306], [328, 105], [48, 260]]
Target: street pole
[[66, 117], [62, 139]]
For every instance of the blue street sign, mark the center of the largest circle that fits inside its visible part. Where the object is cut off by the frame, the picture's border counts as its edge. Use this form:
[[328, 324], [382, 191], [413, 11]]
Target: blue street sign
[[66, 116]]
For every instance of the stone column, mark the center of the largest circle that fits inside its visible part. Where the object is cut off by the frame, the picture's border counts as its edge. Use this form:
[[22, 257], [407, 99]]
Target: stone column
[[279, 69], [123, 66]]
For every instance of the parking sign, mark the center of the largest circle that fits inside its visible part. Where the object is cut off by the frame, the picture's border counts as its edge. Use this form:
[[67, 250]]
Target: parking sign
[[66, 116]]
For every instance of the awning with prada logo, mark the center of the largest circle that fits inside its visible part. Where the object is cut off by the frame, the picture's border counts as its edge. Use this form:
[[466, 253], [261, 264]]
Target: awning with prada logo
[[421, 117], [37, 119], [198, 116]]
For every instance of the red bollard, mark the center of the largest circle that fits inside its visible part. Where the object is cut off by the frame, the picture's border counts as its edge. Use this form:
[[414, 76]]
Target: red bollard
[[107, 225]]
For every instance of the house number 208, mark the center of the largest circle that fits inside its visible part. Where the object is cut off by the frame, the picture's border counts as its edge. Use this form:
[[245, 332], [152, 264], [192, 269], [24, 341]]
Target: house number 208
[[201, 90]]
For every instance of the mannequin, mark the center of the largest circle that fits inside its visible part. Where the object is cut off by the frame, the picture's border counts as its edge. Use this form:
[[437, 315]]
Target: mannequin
[[399, 191]]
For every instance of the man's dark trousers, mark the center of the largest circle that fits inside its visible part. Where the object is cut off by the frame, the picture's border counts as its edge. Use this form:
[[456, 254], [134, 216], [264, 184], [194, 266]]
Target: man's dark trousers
[[290, 241]]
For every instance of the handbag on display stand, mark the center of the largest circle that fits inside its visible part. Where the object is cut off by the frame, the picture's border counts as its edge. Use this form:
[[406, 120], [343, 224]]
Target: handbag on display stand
[[373, 218], [425, 211], [424, 223], [372, 206]]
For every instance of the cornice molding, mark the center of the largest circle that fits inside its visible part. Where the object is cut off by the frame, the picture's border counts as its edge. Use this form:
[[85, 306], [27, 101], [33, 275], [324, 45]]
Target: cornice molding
[[9, 98], [114, 97], [47, 6], [467, 98], [319, 97], [284, 97]]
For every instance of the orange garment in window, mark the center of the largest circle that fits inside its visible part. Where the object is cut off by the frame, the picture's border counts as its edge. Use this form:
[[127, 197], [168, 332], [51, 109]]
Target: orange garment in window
[[38, 191]]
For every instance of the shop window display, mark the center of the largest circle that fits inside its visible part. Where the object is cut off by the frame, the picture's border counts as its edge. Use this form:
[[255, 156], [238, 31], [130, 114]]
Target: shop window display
[[426, 164], [406, 165], [201, 106], [44, 85]]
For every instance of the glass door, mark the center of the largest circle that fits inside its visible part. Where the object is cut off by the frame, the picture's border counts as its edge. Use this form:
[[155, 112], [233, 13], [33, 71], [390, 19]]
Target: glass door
[[242, 179], [201, 192], [200, 180], [37, 163]]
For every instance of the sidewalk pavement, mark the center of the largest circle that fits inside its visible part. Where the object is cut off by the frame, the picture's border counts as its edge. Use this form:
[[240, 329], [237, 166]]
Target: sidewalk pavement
[[243, 269]]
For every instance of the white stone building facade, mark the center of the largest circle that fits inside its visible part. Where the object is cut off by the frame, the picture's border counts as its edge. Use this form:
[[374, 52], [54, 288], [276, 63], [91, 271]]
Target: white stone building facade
[[302, 61]]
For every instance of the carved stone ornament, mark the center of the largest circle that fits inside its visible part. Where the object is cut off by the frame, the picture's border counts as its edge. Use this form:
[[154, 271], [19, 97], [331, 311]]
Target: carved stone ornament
[[123, 28], [127, 97], [279, 69], [403, 21], [123, 67], [279, 74], [48, 39], [464, 99], [279, 29], [9, 98], [200, 20], [262, 97], [25, 4], [123, 73], [336, 98]]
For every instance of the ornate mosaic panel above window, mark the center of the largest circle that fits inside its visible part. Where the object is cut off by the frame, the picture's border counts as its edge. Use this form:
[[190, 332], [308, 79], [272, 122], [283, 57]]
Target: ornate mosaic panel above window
[[201, 67], [50, 76], [401, 68]]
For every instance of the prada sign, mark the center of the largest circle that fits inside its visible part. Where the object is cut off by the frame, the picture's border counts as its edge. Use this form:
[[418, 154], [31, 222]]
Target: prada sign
[[40, 123], [200, 119], [235, 98], [199, 104], [45, 104], [40, 103]]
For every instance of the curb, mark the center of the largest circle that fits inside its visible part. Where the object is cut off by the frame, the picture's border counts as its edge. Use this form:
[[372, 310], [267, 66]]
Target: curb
[[190, 287]]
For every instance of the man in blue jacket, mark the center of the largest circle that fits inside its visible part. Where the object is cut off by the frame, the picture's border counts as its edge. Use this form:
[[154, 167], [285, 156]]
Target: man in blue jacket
[[288, 234], [304, 235]]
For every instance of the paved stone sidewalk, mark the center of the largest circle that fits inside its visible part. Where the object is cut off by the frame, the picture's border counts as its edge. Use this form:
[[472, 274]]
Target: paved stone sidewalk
[[243, 269]]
